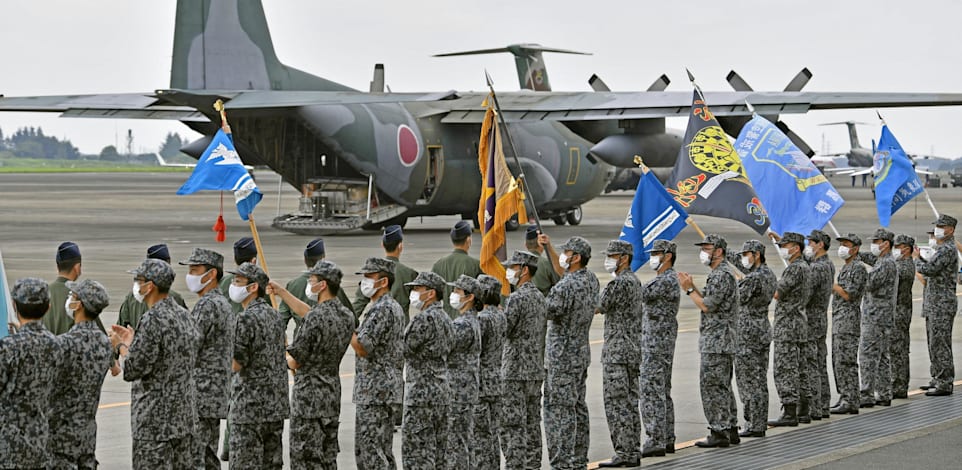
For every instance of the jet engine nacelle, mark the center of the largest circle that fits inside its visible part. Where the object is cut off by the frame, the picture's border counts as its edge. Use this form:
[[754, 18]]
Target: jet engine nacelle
[[656, 150]]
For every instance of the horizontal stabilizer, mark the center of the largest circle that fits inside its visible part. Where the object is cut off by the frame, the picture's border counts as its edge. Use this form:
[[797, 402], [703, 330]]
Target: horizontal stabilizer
[[513, 49]]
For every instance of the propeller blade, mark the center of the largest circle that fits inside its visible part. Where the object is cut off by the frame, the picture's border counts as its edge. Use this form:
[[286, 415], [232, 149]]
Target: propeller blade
[[737, 82], [597, 84], [377, 83], [800, 80], [660, 83], [796, 139]]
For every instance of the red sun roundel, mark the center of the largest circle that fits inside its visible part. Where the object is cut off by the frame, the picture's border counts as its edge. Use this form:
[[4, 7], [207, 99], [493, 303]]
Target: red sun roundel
[[408, 148]]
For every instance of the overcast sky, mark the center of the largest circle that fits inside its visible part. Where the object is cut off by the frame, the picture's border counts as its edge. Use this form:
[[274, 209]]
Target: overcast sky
[[70, 47]]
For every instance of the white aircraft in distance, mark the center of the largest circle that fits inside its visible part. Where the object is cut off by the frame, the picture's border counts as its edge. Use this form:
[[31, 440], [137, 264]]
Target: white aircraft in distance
[[857, 160], [163, 162]]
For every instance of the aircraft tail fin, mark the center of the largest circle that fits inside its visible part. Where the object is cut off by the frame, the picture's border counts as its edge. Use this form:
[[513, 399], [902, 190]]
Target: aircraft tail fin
[[226, 45], [852, 132], [528, 58]]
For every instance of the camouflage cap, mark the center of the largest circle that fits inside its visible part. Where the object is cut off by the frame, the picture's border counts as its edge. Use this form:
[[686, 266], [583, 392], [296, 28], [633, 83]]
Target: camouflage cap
[[468, 284], [30, 290], [715, 240], [327, 271], [91, 294], [945, 220], [577, 245], [820, 236], [490, 285], [663, 246], [791, 237], [851, 237], [903, 239], [882, 234], [754, 246], [253, 273], [522, 258], [156, 271], [619, 247], [428, 279], [205, 257], [377, 265]]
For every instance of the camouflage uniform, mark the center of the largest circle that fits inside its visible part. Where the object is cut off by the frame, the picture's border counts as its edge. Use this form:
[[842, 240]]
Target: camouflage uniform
[[487, 416], [324, 337], [522, 373], [659, 330], [25, 392], [753, 339], [846, 329], [427, 393], [901, 339], [790, 330], [297, 287], [214, 322], [259, 393], [571, 307], [463, 371], [621, 357], [939, 304], [878, 314], [131, 311], [163, 411], [56, 320], [87, 356], [816, 311], [378, 384]]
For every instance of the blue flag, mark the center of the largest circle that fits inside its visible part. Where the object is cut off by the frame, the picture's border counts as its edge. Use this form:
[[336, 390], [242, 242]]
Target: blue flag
[[7, 315], [654, 215], [220, 168], [895, 179], [797, 197]]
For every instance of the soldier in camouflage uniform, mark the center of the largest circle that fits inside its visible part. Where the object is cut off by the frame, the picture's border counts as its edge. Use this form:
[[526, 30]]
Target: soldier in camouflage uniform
[[131, 310], [522, 368], [487, 415], [753, 337], [846, 320], [716, 341], [545, 278], [214, 321], [25, 391], [316, 354], [816, 312], [571, 305], [901, 338], [458, 262], [790, 329], [378, 383], [878, 316], [86, 358], [245, 251], [939, 304], [427, 393], [463, 370], [259, 393], [163, 413], [393, 244], [621, 355]]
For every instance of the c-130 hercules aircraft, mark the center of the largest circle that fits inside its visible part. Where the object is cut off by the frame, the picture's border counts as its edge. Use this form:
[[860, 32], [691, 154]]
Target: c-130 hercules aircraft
[[366, 159]]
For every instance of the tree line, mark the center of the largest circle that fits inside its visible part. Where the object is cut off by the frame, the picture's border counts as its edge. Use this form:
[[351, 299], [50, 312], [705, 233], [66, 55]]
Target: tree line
[[31, 142]]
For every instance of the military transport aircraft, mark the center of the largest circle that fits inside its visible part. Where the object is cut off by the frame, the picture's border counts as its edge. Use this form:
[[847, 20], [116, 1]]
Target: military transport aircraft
[[364, 159]]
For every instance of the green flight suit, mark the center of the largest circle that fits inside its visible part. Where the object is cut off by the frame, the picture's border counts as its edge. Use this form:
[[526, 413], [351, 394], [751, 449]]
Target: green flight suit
[[452, 266], [56, 319], [546, 277], [131, 310]]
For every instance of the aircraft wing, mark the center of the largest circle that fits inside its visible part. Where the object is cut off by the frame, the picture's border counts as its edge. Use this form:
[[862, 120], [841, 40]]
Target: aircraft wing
[[115, 105]]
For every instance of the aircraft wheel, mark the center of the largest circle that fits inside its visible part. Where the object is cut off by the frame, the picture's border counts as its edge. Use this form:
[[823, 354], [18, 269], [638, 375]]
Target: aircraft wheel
[[559, 220], [574, 217], [512, 224]]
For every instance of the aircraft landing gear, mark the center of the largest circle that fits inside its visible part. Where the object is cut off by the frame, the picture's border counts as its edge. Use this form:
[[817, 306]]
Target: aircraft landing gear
[[574, 217], [558, 220]]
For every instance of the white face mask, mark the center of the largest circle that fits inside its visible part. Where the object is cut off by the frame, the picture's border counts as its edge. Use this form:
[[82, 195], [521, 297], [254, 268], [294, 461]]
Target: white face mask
[[416, 302], [939, 233], [238, 293], [875, 249], [897, 255], [784, 253], [455, 301], [809, 252], [611, 264], [704, 257], [563, 260], [194, 284], [843, 252], [367, 287], [654, 262], [66, 306], [309, 292], [746, 262], [136, 291], [512, 275]]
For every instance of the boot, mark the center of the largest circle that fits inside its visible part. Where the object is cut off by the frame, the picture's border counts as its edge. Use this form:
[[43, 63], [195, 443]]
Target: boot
[[670, 447], [804, 412], [843, 408], [747, 433], [788, 418], [733, 436], [715, 439]]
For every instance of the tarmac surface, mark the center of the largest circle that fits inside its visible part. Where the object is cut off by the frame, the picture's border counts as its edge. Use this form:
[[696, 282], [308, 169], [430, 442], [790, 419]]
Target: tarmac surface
[[114, 217]]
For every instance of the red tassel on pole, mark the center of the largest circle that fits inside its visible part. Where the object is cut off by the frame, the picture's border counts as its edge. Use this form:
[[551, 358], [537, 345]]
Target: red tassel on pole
[[220, 227]]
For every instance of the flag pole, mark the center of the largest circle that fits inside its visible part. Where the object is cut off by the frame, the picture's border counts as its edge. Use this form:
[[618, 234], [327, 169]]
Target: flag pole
[[514, 150], [832, 226], [690, 220], [219, 107]]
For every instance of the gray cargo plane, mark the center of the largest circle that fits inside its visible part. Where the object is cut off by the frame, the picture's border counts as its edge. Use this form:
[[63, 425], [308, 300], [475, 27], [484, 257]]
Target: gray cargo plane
[[369, 158]]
